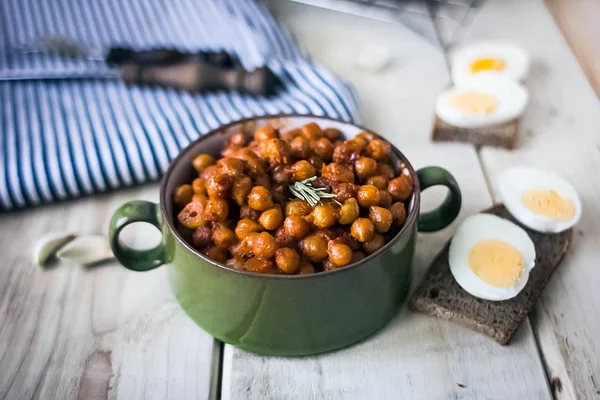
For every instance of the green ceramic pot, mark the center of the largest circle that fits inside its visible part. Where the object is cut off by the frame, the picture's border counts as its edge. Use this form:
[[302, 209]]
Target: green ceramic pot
[[278, 314]]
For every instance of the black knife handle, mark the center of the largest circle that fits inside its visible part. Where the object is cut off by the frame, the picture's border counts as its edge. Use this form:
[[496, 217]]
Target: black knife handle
[[196, 75], [123, 55]]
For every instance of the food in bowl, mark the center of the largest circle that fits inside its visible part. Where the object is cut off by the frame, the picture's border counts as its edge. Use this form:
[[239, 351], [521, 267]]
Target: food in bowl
[[296, 202]]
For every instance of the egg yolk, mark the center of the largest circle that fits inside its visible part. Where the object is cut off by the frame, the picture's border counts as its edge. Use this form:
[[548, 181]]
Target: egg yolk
[[496, 262], [487, 64], [474, 102], [549, 204]]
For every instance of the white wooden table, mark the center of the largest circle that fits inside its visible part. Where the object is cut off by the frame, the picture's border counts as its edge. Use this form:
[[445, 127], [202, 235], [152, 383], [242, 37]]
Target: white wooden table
[[110, 333]]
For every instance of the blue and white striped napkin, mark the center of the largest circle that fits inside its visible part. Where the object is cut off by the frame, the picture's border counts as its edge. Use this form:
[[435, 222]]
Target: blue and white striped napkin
[[62, 139]]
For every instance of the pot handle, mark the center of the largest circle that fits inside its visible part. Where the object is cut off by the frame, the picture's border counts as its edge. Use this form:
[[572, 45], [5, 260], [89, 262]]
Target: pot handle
[[442, 216], [128, 213]]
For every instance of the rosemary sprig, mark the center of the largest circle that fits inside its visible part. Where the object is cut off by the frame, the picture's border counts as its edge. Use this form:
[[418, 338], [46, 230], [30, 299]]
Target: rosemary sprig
[[304, 190]]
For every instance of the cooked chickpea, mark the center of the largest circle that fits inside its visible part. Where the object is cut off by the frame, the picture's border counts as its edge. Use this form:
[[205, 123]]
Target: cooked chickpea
[[209, 172], [379, 149], [219, 185], [287, 260], [338, 173], [264, 245], [314, 247], [183, 195], [349, 211], [366, 136], [246, 226], [282, 175], [381, 217], [379, 181], [306, 267], [324, 215], [361, 141], [201, 198], [312, 131], [368, 195], [260, 265], [291, 134], [344, 191], [297, 207], [216, 210], [296, 227], [199, 186], [362, 229], [283, 239], [275, 151], [371, 246], [348, 152], [192, 215], [238, 139], [236, 263], [266, 132], [271, 219], [260, 198], [401, 188], [357, 256], [398, 211], [340, 255], [217, 254], [365, 167], [302, 170], [223, 237], [242, 185], [300, 147], [248, 213], [231, 166], [316, 162], [323, 148], [202, 237], [203, 161], [385, 170], [262, 180], [332, 134], [385, 198]]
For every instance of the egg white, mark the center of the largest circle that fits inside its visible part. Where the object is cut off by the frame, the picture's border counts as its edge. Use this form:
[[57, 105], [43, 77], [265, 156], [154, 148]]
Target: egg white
[[517, 61], [516, 181], [511, 100], [480, 227]]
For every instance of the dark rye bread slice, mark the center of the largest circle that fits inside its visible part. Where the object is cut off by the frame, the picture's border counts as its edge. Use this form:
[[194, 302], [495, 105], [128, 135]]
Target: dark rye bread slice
[[440, 295], [504, 135]]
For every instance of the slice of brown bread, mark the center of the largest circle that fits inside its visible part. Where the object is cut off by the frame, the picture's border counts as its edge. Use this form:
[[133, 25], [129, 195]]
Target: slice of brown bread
[[504, 135], [440, 295]]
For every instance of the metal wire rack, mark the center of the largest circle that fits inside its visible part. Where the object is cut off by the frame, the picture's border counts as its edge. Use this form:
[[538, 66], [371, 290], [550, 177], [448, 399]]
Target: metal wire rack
[[438, 21]]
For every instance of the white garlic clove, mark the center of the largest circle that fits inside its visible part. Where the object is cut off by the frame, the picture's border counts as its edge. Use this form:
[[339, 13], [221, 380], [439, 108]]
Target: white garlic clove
[[48, 245], [87, 250]]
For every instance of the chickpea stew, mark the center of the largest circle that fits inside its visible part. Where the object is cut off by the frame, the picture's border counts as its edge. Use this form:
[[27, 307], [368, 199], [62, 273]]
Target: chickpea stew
[[297, 202]]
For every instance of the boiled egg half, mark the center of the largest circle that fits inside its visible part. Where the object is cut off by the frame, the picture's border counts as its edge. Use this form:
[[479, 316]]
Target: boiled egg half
[[482, 102], [489, 59], [540, 200], [490, 257]]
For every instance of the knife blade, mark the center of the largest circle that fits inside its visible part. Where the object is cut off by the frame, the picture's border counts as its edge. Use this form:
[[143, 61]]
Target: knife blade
[[193, 72]]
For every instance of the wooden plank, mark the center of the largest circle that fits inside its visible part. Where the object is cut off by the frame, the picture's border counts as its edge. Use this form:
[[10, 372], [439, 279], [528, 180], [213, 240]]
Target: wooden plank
[[415, 356], [75, 333], [578, 21], [560, 134]]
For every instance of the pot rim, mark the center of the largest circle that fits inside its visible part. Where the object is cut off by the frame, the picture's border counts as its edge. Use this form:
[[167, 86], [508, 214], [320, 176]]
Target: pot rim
[[410, 219]]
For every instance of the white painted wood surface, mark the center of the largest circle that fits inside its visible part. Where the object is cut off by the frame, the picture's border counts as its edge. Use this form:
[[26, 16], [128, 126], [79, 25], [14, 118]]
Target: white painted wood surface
[[561, 133], [415, 357], [109, 333], [72, 333]]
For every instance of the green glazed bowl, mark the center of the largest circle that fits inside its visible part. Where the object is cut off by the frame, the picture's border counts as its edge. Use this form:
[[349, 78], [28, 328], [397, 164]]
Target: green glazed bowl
[[278, 314]]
